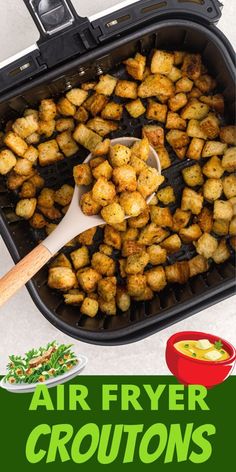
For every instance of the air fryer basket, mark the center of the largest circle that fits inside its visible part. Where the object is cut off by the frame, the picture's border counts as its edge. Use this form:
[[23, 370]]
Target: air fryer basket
[[175, 302]]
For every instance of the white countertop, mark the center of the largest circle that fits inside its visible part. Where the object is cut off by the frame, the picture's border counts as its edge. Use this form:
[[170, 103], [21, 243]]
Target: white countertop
[[21, 324]]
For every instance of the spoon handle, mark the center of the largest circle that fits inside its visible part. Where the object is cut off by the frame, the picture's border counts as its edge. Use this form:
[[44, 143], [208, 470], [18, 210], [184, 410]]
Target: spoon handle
[[22, 272]]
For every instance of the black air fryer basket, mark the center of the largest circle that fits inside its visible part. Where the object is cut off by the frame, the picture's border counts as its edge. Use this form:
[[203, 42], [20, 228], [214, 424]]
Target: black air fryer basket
[[72, 50]]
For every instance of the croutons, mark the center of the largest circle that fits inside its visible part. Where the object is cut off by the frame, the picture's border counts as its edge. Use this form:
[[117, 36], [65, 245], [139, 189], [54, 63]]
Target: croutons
[[156, 111], [101, 126], [95, 103], [65, 124], [136, 284], [213, 168], [229, 159], [103, 170], [82, 174], [212, 148], [197, 265], [135, 108], [192, 66], [222, 252], [47, 110], [112, 237], [124, 178], [61, 278], [101, 148], [23, 167], [122, 299], [192, 201], [112, 111], [210, 126], [103, 192], [63, 195], [136, 66], [136, 263], [89, 206], [26, 126], [80, 257], [119, 155], [46, 198], [177, 139], [166, 195], [126, 89], [178, 272], [194, 130], [195, 110], [28, 190], [205, 83], [74, 297], [214, 101], [61, 261], [16, 143], [49, 153], [148, 181], [195, 149], [157, 254], [174, 121], [46, 128], [86, 137], [223, 210], [67, 144], [192, 233], [89, 307], [205, 220], [76, 96], [161, 216], [171, 244], [220, 227], [25, 208], [162, 62], [177, 101], [106, 84], [113, 213], [229, 186], [132, 203], [152, 234], [103, 264], [206, 245], [140, 220], [180, 219], [107, 288], [228, 134], [65, 107], [37, 221], [154, 134], [183, 85], [86, 237], [164, 157], [7, 161], [193, 175], [31, 154], [212, 189], [81, 115], [156, 85], [88, 279], [109, 308]]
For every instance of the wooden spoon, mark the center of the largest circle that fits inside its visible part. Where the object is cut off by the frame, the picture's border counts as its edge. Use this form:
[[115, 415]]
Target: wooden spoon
[[73, 223]]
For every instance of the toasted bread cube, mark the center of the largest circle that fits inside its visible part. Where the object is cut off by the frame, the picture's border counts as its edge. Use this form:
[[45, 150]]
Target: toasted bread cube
[[136, 284], [103, 264], [119, 155], [89, 206], [221, 227], [101, 149], [67, 144], [229, 186], [156, 85], [162, 62], [212, 148], [152, 234], [180, 219], [88, 279], [113, 213], [7, 161], [86, 237], [157, 254], [107, 288], [109, 308], [23, 167], [192, 233], [195, 149], [46, 197], [47, 110], [95, 103], [178, 272], [179, 57], [195, 93], [86, 137], [82, 174], [103, 170], [74, 297], [135, 108], [138, 164], [132, 203], [222, 210], [37, 180], [141, 149], [193, 175], [126, 89], [136, 66], [228, 134], [31, 154], [171, 244], [194, 110], [101, 127], [212, 189], [192, 66], [76, 96], [124, 178], [93, 163], [120, 226], [232, 227], [31, 111], [213, 168], [198, 265], [130, 247], [15, 143], [177, 101], [49, 153], [106, 84], [166, 195], [175, 74], [122, 299], [131, 234], [183, 85], [25, 208], [229, 159], [47, 128], [81, 115], [88, 86], [222, 252], [28, 190], [206, 245], [154, 134], [61, 278], [177, 139], [105, 249], [148, 181], [103, 192], [65, 107], [214, 101], [156, 111], [156, 278], [194, 130], [192, 201], [139, 221], [205, 83], [180, 152], [51, 213], [136, 263], [65, 124], [161, 216], [37, 221], [205, 220], [26, 126], [112, 237], [174, 121], [164, 157], [63, 195], [147, 294], [80, 257], [112, 111], [210, 126], [14, 180]]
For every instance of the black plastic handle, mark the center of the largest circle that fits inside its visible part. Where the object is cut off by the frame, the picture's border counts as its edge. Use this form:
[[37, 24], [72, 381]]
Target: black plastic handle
[[127, 18]]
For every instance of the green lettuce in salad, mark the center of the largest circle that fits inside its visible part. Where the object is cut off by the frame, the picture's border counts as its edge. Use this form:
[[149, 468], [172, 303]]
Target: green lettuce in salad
[[38, 365]]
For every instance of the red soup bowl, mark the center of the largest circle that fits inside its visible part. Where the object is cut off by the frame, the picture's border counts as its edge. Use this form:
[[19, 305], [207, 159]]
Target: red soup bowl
[[189, 370]]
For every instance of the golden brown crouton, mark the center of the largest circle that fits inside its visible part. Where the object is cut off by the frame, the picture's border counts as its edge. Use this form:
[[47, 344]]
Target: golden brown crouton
[[222, 210], [171, 244], [61, 278], [124, 178], [212, 189], [148, 181], [65, 107], [105, 249], [198, 265], [193, 175], [194, 110], [140, 220], [166, 195], [89, 206], [88, 279], [67, 144], [15, 143], [86, 237], [229, 186], [103, 264], [175, 74], [95, 103], [109, 308], [194, 130], [101, 149], [46, 198], [195, 149], [157, 254], [7, 161], [192, 233], [136, 263], [76, 96], [101, 126], [178, 272], [135, 108], [141, 149], [89, 307], [113, 213], [122, 299], [106, 84], [119, 155], [25, 208], [156, 278], [136, 66], [229, 159], [156, 85], [28, 190], [213, 168], [132, 203], [206, 245], [65, 124], [86, 137], [102, 170], [183, 85], [37, 221], [177, 139], [126, 89], [174, 121], [107, 288], [152, 234], [177, 101], [214, 101], [82, 174], [46, 128], [210, 126], [112, 237], [180, 219], [156, 111], [112, 111], [131, 247], [103, 191], [136, 284], [179, 57], [161, 216], [192, 66], [61, 261], [222, 252], [23, 167], [213, 148], [228, 134], [205, 220], [192, 201], [154, 134], [80, 257], [26, 126], [81, 115], [51, 213], [162, 62], [47, 110], [49, 153], [205, 83], [63, 195]]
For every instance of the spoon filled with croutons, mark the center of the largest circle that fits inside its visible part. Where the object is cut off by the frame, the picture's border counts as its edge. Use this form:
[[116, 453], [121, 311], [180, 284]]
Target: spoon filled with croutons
[[115, 182]]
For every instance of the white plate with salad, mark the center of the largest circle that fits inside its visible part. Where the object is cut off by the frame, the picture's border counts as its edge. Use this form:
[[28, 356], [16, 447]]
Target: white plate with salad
[[51, 365]]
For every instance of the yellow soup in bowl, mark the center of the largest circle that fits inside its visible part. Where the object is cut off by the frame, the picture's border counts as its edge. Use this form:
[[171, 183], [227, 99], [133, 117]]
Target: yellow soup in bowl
[[203, 350]]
